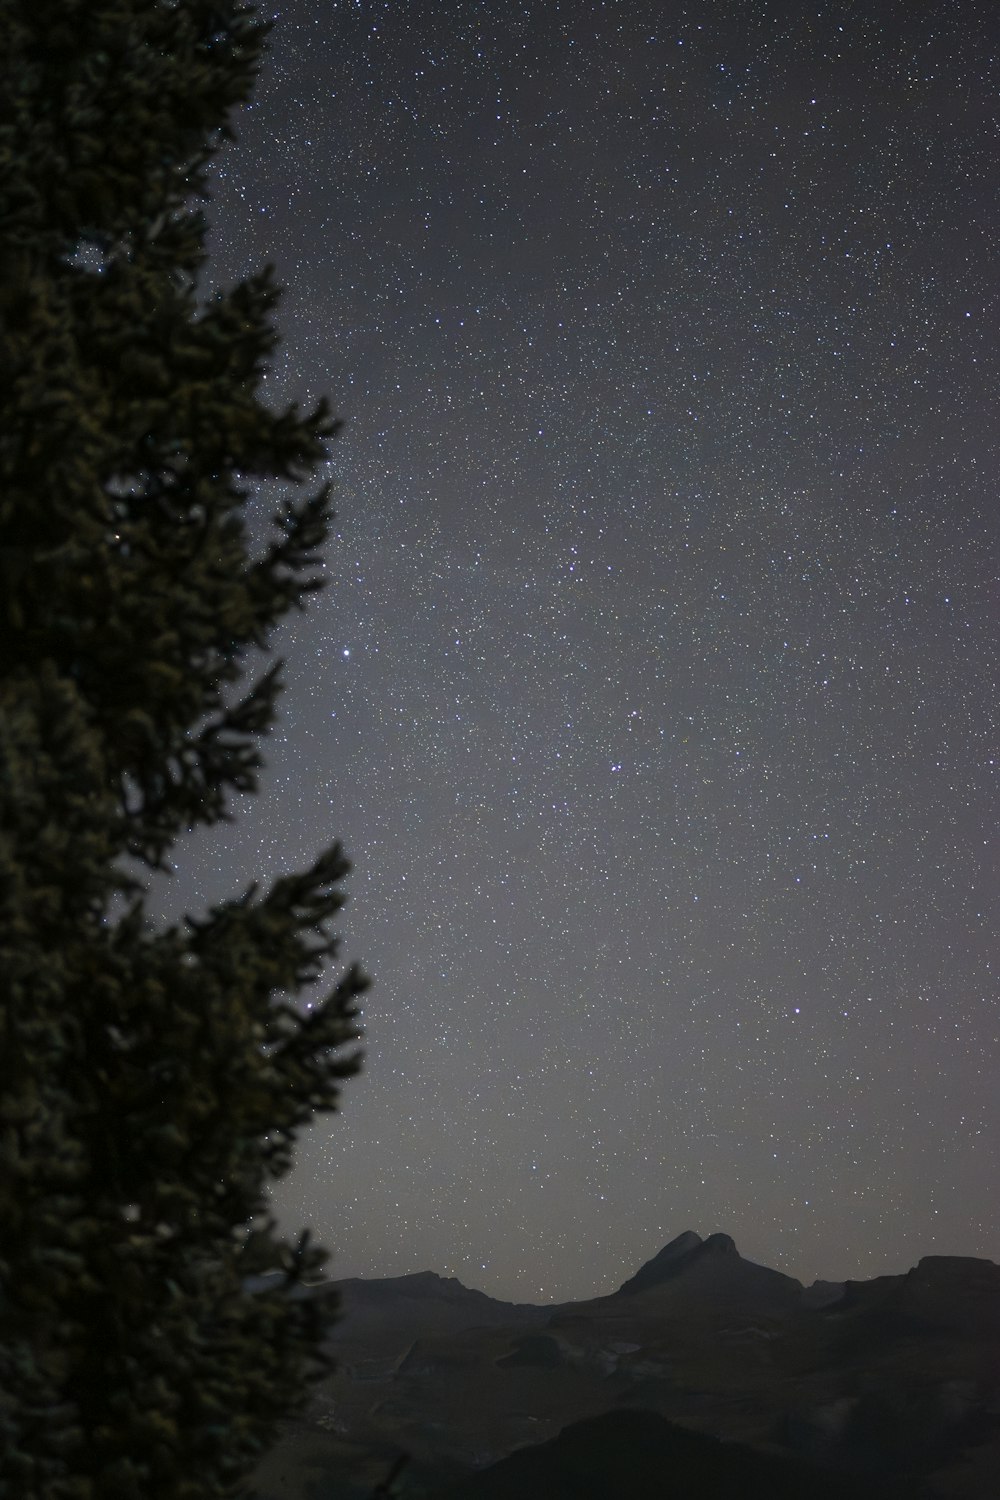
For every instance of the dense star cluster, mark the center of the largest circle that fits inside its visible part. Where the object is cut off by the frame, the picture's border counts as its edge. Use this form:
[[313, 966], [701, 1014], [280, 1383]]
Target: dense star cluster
[[654, 691]]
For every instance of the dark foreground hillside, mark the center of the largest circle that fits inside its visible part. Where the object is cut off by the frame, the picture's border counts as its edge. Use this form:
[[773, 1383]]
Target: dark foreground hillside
[[637, 1455]]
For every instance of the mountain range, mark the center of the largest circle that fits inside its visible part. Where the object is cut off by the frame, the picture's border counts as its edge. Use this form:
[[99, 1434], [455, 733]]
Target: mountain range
[[703, 1375]]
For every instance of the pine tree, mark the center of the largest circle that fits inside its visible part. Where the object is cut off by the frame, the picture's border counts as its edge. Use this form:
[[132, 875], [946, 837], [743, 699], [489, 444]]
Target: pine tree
[[152, 1082]]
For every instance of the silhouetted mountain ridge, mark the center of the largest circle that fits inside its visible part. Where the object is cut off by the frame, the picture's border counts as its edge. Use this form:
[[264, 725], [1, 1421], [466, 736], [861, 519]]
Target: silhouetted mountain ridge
[[891, 1384], [688, 1253], [420, 1285]]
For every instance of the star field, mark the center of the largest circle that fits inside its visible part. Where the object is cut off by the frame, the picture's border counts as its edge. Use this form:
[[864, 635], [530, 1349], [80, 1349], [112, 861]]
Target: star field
[[653, 693]]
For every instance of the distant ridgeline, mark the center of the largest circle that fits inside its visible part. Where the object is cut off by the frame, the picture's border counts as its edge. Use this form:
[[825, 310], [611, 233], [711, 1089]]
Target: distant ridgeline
[[725, 1377]]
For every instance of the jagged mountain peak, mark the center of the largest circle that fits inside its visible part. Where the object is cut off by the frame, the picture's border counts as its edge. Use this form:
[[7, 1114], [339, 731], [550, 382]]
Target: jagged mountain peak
[[681, 1245], [676, 1257], [719, 1244]]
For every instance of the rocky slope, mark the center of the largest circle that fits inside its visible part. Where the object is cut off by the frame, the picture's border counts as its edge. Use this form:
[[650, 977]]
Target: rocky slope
[[890, 1382]]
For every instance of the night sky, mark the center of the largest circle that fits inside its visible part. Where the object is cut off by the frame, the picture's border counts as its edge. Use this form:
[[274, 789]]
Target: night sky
[[654, 691]]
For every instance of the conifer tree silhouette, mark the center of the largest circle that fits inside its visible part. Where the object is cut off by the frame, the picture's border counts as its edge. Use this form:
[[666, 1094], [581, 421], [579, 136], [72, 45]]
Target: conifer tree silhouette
[[152, 1081]]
